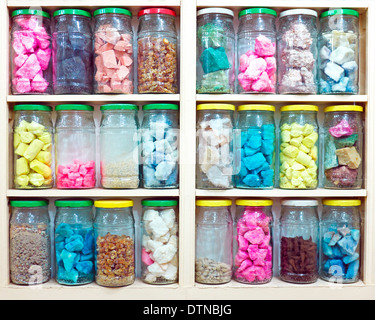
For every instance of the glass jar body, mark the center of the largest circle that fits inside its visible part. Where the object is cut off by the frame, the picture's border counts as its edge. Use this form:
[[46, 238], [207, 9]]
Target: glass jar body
[[33, 148], [72, 55], [343, 150], [258, 143], [215, 54], [75, 150], [114, 247], [30, 245], [74, 245], [114, 70], [119, 149], [215, 159], [31, 55], [214, 251], [157, 54], [298, 150]]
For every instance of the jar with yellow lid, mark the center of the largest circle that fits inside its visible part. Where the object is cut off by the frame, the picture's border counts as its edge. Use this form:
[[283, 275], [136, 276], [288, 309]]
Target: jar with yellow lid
[[343, 147], [253, 241], [213, 246], [340, 240], [299, 147], [114, 245], [215, 146], [255, 128]]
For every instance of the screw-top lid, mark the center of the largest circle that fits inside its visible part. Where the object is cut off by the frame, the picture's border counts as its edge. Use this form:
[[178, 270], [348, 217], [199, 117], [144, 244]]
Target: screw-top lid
[[77, 107], [31, 107], [28, 203], [31, 12], [159, 203], [215, 10], [112, 10], [257, 10], [216, 106], [76, 203], [343, 108], [254, 202], [256, 107], [113, 204], [334, 12], [300, 203], [300, 107], [214, 203], [119, 106], [342, 202], [156, 11], [293, 12], [78, 12], [160, 106]]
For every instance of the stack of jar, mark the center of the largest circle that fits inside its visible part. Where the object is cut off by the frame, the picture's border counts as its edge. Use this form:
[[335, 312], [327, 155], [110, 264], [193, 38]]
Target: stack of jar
[[130, 154], [90, 247], [241, 153], [73, 59], [309, 247], [296, 58]]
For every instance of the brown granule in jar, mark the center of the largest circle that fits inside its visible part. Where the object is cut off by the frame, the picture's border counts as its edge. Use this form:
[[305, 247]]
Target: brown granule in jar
[[30, 254], [115, 260], [157, 65]]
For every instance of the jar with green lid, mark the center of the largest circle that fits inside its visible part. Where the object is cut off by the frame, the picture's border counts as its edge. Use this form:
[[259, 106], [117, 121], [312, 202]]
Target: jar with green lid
[[114, 243], [31, 52], [339, 46], [113, 51], [343, 147], [160, 145], [159, 227], [29, 242], [119, 146], [256, 51], [255, 127], [253, 241], [216, 51], [74, 241], [75, 147], [213, 241], [299, 241], [215, 145], [72, 52], [32, 147], [340, 240], [299, 147]]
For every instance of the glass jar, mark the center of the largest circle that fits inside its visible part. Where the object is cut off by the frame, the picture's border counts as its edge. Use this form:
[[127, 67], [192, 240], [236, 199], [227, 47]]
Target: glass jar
[[157, 51], [256, 51], [213, 241], [299, 147], [160, 140], [119, 146], [216, 51], [255, 126], [215, 146], [299, 241], [72, 52], [30, 242], [75, 147], [74, 242], [343, 147], [32, 147], [113, 51], [339, 52], [114, 238], [31, 52], [340, 239], [159, 241], [297, 45], [253, 262]]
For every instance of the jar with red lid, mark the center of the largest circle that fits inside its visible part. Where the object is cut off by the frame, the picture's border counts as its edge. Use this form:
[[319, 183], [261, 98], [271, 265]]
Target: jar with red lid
[[157, 51]]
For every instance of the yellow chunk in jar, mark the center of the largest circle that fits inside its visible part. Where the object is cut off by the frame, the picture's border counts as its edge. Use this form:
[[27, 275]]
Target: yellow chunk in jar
[[310, 140], [22, 147], [27, 137], [16, 140], [41, 168], [36, 179], [34, 148], [22, 180], [44, 157], [46, 137], [22, 167]]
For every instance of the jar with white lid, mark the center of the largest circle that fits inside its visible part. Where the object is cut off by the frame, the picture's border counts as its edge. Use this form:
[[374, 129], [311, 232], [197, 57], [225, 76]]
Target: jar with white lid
[[298, 51], [216, 51], [299, 241]]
